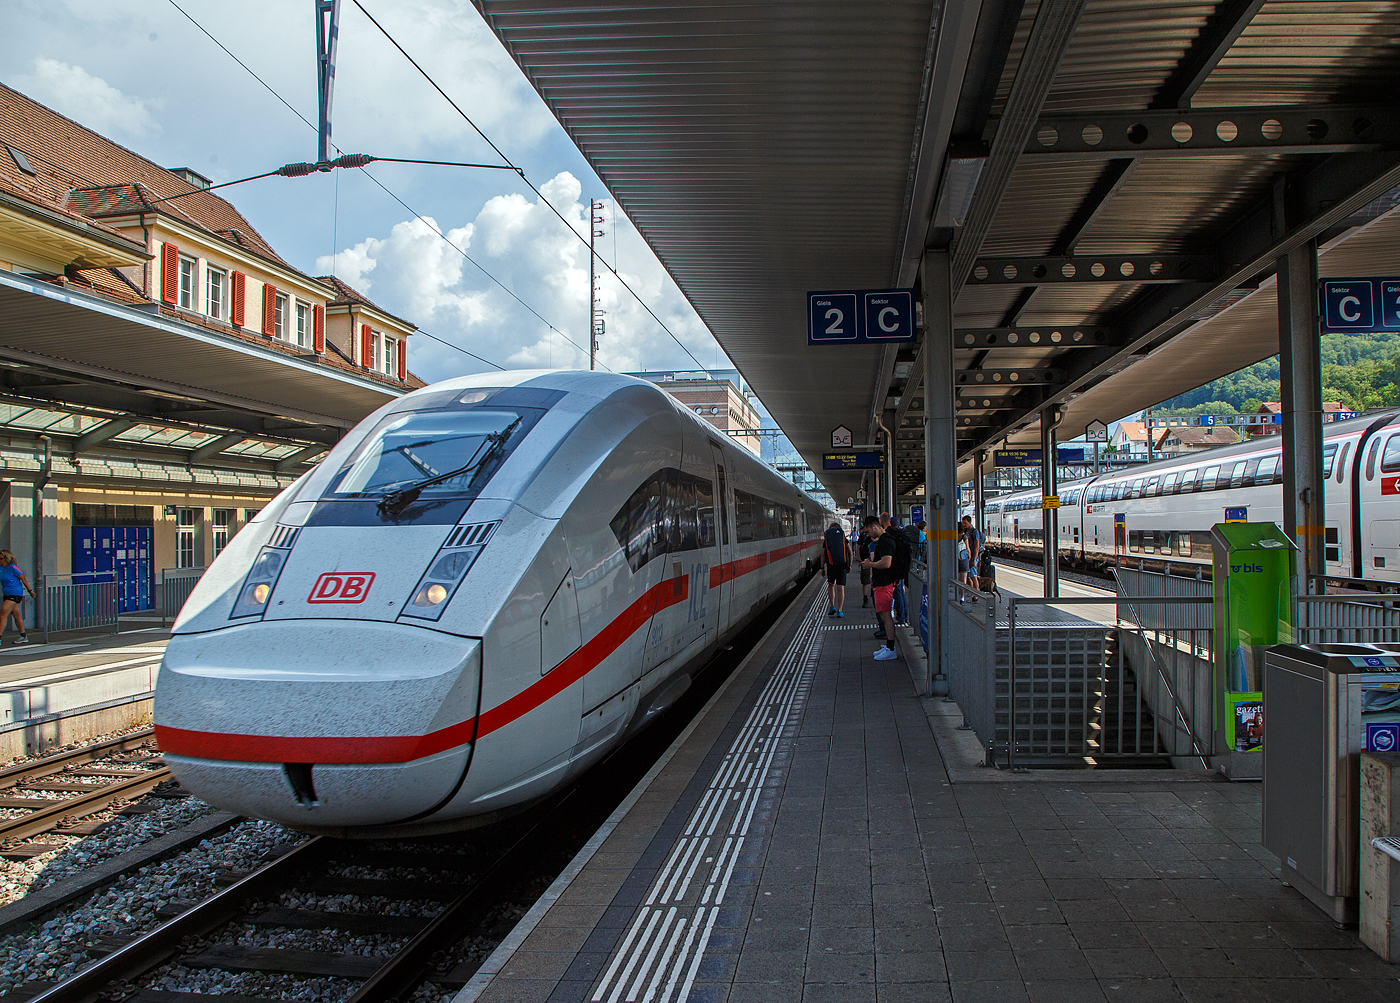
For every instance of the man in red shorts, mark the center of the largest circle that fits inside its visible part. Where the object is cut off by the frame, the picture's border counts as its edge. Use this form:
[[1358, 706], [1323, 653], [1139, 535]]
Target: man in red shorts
[[882, 573]]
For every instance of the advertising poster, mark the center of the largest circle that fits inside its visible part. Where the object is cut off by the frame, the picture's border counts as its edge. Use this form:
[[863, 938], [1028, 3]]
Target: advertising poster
[[1245, 726]]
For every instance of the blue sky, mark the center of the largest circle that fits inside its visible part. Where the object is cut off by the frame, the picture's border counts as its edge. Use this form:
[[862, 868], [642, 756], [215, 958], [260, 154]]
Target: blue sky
[[140, 73]]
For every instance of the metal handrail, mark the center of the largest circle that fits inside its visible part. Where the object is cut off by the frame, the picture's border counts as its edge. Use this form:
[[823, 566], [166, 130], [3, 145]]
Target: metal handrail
[[1162, 676], [1014, 601]]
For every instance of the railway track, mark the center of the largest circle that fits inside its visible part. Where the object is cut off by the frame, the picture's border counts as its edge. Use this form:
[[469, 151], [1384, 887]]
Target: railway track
[[424, 907], [116, 765]]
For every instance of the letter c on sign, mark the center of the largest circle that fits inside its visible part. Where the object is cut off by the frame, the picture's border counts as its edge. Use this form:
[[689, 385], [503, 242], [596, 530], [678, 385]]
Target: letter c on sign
[[1355, 313], [889, 311]]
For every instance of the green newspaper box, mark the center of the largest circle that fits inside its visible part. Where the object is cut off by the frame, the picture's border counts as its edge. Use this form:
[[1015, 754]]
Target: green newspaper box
[[1254, 588]]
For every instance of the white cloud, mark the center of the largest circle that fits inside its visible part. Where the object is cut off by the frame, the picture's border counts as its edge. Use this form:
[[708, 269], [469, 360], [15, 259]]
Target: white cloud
[[87, 99], [414, 272]]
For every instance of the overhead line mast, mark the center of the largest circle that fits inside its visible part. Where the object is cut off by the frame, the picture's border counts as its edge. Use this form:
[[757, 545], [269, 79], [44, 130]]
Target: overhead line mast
[[596, 324]]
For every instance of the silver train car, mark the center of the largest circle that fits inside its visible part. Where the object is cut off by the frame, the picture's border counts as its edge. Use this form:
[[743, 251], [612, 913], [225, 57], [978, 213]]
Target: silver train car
[[1161, 513], [485, 587]]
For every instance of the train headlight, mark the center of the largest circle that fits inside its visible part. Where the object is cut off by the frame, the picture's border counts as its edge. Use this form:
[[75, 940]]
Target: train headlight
[[447, 571], [257, 587]]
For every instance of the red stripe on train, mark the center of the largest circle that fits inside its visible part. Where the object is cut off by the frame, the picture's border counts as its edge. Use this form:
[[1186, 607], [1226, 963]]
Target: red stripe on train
[[403, 748]]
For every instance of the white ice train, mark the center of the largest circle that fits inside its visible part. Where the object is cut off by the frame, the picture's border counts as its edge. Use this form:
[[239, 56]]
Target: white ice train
[[483, 588], [1162, 512]]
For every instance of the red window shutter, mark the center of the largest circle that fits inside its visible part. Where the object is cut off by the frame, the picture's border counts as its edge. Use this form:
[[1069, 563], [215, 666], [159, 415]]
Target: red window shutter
[[318, 329], [269, 327], [403, 359], [366, 346], [169, 273], [237, 285]]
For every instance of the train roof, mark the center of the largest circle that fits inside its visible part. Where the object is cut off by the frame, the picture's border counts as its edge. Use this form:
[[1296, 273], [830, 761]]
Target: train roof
[[1261, 444]]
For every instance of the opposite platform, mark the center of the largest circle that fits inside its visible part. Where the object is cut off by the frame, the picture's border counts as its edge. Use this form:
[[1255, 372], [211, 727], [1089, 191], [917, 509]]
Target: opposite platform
[[804, 842]]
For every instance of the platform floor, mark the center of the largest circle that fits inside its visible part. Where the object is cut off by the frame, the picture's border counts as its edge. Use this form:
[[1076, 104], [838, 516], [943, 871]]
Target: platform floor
[[805, 842]]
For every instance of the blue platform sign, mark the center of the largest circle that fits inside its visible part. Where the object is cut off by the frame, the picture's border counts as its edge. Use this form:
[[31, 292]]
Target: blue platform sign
[[852, 461], [1206, 419], [1361, 304], [860, 317], [1066, 455], [1237, 514], [1382, 736], [916, 513]]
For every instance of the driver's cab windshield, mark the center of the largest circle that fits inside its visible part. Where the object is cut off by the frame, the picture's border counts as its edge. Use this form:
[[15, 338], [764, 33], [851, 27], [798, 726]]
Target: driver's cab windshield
[[417, 446]]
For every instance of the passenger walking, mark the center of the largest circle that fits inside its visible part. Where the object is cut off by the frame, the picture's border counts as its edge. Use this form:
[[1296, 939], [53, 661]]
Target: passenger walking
[[13, 585], [972, 542], [836, 559], [881, 565]]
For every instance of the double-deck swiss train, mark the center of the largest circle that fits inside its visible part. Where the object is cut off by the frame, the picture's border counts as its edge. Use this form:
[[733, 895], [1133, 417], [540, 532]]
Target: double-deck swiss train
[[1162, 512], [481, 590]]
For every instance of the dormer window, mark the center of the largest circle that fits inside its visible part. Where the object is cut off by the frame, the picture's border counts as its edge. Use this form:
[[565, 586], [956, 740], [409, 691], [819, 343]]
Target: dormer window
[[214, 286], [188, 270]]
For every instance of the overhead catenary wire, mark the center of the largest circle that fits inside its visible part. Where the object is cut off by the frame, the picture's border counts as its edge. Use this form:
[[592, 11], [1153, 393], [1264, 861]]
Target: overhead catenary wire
[[312, 167], [543, 201]]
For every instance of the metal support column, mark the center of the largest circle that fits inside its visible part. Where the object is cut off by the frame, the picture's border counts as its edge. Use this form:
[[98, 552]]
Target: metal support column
[[979, 495], [940, 460], [1050, 517], [1300, 383]]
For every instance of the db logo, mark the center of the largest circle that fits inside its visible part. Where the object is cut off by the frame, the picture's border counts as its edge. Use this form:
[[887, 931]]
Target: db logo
[[349, 587]]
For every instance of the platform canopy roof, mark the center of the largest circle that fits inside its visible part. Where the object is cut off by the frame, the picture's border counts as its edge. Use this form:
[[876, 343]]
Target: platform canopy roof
[[1108, 176]]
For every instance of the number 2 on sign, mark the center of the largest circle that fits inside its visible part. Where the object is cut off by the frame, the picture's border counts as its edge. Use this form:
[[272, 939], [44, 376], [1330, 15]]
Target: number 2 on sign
[[836, 317]]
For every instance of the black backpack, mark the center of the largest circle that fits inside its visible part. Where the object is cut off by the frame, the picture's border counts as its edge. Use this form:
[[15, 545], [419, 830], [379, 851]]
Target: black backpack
[[904, 550]]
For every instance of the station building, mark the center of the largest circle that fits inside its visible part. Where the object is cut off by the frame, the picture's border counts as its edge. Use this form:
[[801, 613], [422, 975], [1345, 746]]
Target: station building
[[720, 398], [164, 372]]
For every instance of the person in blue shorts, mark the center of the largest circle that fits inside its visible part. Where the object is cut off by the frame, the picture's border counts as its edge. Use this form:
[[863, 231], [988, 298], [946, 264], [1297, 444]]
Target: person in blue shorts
[[13, 585]]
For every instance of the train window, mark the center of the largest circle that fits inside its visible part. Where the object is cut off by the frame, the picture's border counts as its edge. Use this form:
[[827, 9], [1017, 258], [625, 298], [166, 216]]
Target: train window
[[1210, 477], [1371, 458], [1188, 481], [1169, 483], [1390, 459], [431, 454], [1149, 542], [1342, 462], [1135, 540], [1237, 474], [1136, 490], [1250, 469], [1183, 544], [1269, 472], [1329, 453], [640, 524], [1151, 490]]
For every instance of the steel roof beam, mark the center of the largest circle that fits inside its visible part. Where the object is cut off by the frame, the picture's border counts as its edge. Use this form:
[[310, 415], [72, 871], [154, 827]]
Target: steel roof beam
[[1220, 31], [217, 446], [103, 432], [1049, 39], [1105, 187], [1117, 268], [301, 456], [1310, 202], [1039, 336], [1291, 129], [974, 380]]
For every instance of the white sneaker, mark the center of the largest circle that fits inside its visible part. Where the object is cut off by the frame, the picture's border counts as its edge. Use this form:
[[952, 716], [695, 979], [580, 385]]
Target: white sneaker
[[22, 639], [886, 654]]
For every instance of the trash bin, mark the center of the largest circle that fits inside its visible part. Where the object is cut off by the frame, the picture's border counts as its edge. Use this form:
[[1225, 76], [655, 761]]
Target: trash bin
[[1321, 702]]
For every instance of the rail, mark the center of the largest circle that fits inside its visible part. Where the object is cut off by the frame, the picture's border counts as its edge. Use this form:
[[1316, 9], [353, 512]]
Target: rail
[[174, 588], [66, 604], [1352, 618]]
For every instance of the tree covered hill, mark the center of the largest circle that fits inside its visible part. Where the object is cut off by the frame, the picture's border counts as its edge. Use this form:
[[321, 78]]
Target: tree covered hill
[[1360, 370]]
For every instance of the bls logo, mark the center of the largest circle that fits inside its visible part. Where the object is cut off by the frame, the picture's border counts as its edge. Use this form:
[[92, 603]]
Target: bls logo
[[347, 588], [1248, 569]]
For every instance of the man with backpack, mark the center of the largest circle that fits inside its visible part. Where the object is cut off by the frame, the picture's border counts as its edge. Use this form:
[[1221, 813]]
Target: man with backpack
[[881, 565], [906, 543], [836, 559]]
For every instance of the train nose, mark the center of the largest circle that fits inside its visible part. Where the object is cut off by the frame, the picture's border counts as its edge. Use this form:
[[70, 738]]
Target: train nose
[[319, 724]]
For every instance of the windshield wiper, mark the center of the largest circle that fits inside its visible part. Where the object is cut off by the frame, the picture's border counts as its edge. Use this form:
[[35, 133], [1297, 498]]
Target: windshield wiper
[[392, 504]]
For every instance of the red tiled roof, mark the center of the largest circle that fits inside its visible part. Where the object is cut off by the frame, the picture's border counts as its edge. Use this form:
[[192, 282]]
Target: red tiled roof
[[349, 294], [9, 187], [83, 172]]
